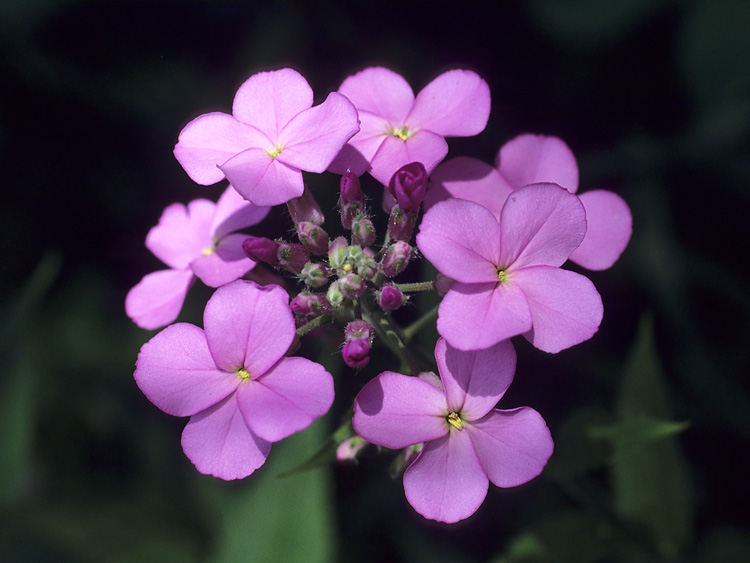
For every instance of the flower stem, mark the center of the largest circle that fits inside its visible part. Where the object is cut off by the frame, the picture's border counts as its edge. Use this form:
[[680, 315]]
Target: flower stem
[[411, 287], [389, 332], [313, 324], [410, 331]]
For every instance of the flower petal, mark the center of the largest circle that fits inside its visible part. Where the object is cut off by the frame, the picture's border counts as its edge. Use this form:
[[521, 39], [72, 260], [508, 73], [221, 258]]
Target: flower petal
[[462, 240], [446, 482], [380, 91], [532, 159], [313, 138], [219, 443], [269, 100], [471, 179], [455, 104], [234, 212], [513, 445], [424, 146], [286, 399], [356, 155], [176, 372], [396, 411], [225, 264], [475, 381], [182, 233], [210, 140], [565, 307], [610, 225], [248, 326], [541, 224], [261, 179], [157, 299], [476, 316]]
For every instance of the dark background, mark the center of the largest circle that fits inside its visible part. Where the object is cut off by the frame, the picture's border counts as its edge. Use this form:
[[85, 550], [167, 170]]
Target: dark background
[[651, 440]]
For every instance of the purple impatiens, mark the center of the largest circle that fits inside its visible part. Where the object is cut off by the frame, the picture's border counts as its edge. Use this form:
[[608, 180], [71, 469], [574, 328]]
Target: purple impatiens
[[467, 442], [233, 380]]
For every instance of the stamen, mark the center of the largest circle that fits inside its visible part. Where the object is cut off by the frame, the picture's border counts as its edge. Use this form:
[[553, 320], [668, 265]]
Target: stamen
[[454, 419], [243, 374], [503, 276]]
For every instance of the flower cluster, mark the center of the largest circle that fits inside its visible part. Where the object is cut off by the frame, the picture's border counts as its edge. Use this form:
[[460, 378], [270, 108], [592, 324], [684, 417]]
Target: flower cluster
[[499, 237]]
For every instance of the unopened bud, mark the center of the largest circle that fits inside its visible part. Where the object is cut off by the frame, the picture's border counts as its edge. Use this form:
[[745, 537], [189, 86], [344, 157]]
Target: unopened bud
[[401, 223], [366, 265], [334, 295], [293, 257], [337, 252], [309, 304], [313, 237], [314, 274], [356, 354], [409, 186], [261, 249], [358, 329], [352, 286], [305, 209], [396, 258], [390, 297], [351, 191], [363, 231], [350, 448]]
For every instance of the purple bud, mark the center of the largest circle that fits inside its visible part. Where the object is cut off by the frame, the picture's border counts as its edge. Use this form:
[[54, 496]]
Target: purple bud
[[363, 231], [401, 223], [293, 257], [351, 192], [409, 185], [337, 252], [261, 249], [352, 286], [390, 297], [310, 304], [305, 208], [313, 237], [350, 448], [366, 265], [314, 274], [396, 258], [356, 354], [334, 295], [358, 330]]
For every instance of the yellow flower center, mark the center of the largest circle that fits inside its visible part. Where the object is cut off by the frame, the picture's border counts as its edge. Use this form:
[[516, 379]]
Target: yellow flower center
[[243, 374], [273, 153], [402, 133], [454, 419], [503, 276]]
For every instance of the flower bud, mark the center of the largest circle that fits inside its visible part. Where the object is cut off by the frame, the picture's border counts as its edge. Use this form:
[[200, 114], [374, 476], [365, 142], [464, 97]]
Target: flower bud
[[352, 286], [305, 209], [396, 258], [390, 297], [363, 231], [358, 329], [337, 252], [356, 354], [409, 186], [334, 295], [314, 274], [401, 223], [366, 265], [350, 448], [351, 191], [313, 237], [309, 304], [293, 257], [261, 249]]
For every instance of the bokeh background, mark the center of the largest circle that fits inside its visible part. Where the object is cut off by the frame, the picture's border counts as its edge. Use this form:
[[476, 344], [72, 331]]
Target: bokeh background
[[651, 417]]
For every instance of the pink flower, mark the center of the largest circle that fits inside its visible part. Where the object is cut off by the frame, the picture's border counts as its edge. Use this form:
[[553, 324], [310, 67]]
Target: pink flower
[[196, 240], [468, 443], [507, 272], [233, 380], [272, 135], [397, 128], [530, 159]]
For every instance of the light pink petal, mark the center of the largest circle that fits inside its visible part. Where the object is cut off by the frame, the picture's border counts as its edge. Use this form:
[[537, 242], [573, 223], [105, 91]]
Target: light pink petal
[[476, 316], [248, 326], [268, 100], [541, 224], [396, 411], [234, 212], [225, 264], [262, 180], [532, 159], [286, 399], [513, 445], [424, 146], [358, 152], [157, 299], [380, 91], [176, 372], [219, 443], [471, 179], [182, 233], [455, 104], [446, 482], [565, 307], [313, 138], [610, 225], [210, 140], [462, 240], [475, 381]]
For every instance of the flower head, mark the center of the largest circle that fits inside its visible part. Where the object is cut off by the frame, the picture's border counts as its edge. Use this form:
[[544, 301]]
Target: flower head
[[468, 442], [196, 240], [233, 381], [272, 135]]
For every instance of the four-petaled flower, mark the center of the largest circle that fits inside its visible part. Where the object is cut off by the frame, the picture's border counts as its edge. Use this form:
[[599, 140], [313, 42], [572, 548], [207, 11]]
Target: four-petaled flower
[[272, 135], [197, 240], [233, 380], [468, 442], [397, 128]]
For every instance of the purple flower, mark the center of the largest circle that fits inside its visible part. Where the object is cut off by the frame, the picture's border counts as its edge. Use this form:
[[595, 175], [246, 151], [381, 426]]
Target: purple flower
[[409, 185], [196, 240], [508, 279], [530, 159], [468, 443], [272, 135], [397, 128], [233, 380]]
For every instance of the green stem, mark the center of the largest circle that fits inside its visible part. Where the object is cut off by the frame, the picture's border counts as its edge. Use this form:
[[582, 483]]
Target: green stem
[[410, 331], [389, 332], [411, 287], [313, 324]]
